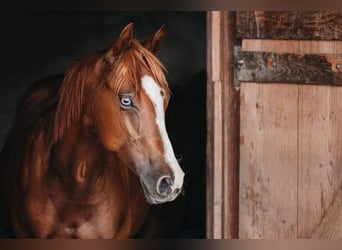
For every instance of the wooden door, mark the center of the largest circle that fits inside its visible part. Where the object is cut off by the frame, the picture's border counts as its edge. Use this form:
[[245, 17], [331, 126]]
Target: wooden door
[[282, 176], [290, 150]]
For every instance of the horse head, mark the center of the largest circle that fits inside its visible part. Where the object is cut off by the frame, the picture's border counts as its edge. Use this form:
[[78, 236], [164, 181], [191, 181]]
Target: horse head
[[121, 94]]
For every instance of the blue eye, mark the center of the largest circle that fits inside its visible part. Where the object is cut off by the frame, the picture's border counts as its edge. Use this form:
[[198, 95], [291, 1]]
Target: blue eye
[[126, 102]]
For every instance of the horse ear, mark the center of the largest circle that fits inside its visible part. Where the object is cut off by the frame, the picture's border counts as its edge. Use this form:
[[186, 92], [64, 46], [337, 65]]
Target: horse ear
[[153, 44], [121, 44]]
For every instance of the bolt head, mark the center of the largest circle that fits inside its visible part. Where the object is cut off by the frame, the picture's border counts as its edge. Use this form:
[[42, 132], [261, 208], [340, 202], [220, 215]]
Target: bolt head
[[240, 62]]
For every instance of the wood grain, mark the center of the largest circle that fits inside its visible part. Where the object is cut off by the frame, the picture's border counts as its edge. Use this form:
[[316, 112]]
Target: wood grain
[[268, 155], [223, 127], [231, 130], [214, 158], [289, 68], [330, 227], [301, 25], [319, 145]]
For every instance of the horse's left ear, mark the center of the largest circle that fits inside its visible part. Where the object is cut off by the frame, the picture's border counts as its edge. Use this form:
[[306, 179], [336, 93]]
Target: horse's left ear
[[121, 44], [153, 44]]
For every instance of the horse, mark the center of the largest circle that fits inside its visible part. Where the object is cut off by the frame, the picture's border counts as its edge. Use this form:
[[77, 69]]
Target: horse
[[88, 155]]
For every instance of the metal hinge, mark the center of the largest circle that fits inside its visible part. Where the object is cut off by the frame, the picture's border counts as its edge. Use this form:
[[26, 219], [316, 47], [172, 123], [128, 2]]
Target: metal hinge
[[269, 67]]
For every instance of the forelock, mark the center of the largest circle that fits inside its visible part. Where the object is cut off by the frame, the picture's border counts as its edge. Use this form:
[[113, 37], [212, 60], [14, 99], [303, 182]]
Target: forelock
[[132, 65]]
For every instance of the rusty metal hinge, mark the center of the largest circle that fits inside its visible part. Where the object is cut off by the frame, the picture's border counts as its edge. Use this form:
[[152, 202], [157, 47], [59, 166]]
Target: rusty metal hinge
[[269, 67]]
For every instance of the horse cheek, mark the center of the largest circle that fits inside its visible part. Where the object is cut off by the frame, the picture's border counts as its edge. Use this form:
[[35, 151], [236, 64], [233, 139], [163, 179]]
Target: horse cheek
[[108, 125]]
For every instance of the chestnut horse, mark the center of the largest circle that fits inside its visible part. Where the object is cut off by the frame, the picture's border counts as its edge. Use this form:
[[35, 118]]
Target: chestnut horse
[[89, 162]]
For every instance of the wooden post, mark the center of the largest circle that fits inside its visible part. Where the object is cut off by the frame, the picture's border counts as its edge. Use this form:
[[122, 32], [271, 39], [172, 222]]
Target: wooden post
[[223, 128]]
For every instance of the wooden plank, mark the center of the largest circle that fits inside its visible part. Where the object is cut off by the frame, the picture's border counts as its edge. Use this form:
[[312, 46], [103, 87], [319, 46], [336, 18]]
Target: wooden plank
[[223, 126], [231, 128], [268, 155], [319, 145], [214, 196], [331, 225], [301, 25], [289, 68]]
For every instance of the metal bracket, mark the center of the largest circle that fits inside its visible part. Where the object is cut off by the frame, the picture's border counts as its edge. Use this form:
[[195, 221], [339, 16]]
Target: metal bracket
[[268, 67], [237, 61]]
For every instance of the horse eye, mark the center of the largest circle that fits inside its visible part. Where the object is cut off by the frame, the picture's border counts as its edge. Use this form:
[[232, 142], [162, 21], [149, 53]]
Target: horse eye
[[126, 102]]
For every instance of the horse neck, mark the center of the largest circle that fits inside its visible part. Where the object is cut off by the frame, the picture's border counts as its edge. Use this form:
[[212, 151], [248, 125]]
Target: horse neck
[[80, 158], [82, 162], [104, 170]]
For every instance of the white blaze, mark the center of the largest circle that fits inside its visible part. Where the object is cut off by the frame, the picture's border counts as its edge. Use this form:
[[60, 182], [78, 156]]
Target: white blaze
[[153, 91]]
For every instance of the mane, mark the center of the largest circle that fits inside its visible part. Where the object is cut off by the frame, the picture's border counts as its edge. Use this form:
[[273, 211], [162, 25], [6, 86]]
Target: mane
[[71, 94], [126, 71]]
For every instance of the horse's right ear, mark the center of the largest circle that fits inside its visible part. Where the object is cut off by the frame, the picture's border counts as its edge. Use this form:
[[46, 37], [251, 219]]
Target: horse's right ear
[[121, 44], [153, 44]]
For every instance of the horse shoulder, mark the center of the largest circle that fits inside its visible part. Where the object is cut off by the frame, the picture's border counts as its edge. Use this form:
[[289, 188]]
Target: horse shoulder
[[25, 172]]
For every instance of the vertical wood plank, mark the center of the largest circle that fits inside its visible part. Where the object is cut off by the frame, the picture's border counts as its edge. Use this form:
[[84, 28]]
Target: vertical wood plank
[[268, 155], [223, 127], [214, 129], [320, 146], [231, 115]]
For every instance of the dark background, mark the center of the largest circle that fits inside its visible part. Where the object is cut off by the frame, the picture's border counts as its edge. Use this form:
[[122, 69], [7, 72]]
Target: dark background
[[35, 45]]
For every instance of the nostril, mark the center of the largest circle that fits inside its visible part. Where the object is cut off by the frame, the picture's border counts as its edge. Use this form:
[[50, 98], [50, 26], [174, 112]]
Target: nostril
[[177, 190], [164, 186]]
